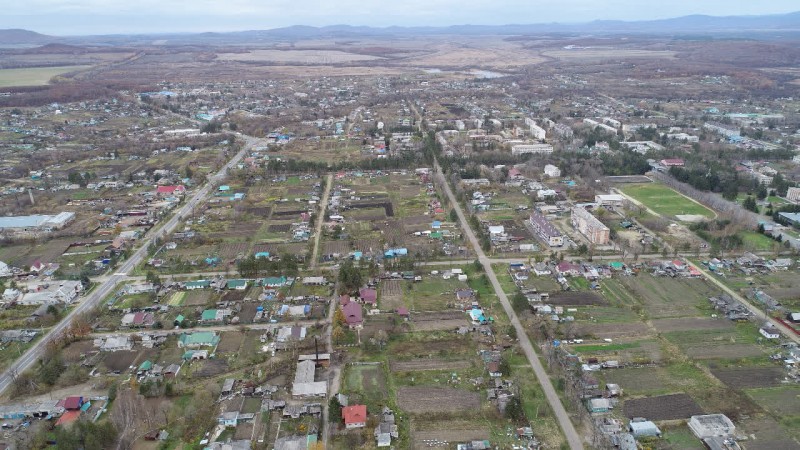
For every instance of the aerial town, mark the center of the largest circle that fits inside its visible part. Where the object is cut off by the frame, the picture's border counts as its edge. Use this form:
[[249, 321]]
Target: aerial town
[[528, 241]]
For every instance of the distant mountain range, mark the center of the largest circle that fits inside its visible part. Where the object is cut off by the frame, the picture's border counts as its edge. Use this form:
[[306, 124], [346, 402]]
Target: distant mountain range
[[740, 26]]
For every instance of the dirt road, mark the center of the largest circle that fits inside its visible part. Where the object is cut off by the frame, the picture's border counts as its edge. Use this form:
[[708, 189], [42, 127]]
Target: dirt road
[[573, 438]]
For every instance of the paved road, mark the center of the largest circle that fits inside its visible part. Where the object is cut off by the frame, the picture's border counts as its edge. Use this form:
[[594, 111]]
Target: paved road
[[759, 313], [573, 438], [108, 284], [320, 220]]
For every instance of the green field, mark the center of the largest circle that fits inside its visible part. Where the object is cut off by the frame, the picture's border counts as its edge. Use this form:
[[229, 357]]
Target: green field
[[665, 201], [35, 76]]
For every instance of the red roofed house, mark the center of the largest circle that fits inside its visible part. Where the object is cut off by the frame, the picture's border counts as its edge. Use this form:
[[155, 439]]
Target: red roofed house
[[170, 191], [675, 162], [514, 173], [568, 268], [354, 416], [402, 312], [73, 403], [368, 296], [344, 299], [353, 315]]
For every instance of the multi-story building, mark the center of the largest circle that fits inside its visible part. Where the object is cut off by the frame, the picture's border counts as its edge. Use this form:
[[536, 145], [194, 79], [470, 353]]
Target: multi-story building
[[589, 226], [522, 149], [793, 194], [545, 230], [552, 171]]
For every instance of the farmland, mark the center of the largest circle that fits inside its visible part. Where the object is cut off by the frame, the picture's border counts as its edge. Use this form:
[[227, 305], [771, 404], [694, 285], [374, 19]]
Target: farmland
[[35, 76], [665, 201]]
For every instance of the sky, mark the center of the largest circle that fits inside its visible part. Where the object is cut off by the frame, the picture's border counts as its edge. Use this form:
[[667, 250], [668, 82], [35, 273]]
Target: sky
[[82, 17]]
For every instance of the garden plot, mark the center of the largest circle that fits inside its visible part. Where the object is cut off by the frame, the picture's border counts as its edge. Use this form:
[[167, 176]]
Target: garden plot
[[391, 294], [691, 323], [751, 377], [211, 368], [638, 381], [231, 251], [122, 360], [443, 434], [429, 364], [419, 400], [439, 321], [336, 247], [723, 351], [369, 383], [612, 330], [577, 298], [665, 407], [664, 297], [782, 401], [230, 342], [768, 434], [197, 298]]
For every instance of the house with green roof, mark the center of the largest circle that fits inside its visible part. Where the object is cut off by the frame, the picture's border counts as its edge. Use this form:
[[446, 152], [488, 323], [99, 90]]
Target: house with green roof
[[145, 366], [276, 282], [179, 320], [237, 284], [198, 339], [214, 315]]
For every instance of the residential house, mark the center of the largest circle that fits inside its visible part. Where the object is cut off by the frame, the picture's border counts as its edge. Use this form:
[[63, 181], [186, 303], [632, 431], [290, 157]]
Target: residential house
[[197, 284], [304, 384], [355, 416], [314, 281], [198, 339], [170, 191], [138, 320], [62, 292], [368, 296], [236, 284], [353, 315]]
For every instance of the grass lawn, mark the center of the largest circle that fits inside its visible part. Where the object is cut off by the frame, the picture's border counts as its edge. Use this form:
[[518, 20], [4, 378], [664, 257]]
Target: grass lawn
[[34, 76], [757, 241], [665, 201]]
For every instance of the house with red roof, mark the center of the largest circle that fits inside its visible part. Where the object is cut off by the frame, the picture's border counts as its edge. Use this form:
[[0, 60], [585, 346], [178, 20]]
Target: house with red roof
[[355, 416], [73, 403], [353, 315], [368, 296], [567, 268], [344, 299], [170, 191], [674, 162]]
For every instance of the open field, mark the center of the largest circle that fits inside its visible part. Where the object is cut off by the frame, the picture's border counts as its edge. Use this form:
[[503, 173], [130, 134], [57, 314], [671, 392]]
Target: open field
[[323, 57], [431, 400], [665, 201], [594, 54], [35, 76]]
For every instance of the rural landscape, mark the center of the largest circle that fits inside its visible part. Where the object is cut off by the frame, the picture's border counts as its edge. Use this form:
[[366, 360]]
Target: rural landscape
[[436, 237]]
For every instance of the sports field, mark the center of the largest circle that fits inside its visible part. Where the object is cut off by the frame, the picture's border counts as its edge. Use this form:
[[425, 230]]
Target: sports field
[[665, 201], [34, 76]]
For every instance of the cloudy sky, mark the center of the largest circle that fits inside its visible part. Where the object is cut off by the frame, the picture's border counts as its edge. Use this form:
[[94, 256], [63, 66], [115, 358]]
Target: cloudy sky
[[70, 17]]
